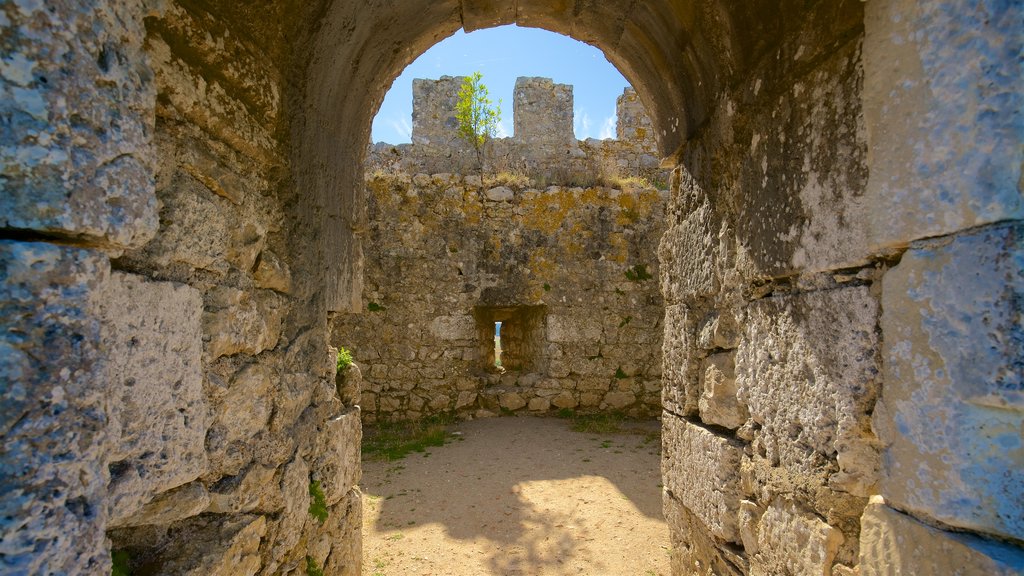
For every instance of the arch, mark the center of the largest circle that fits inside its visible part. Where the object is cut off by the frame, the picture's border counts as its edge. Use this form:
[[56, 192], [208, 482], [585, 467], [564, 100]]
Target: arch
[[675, 54]]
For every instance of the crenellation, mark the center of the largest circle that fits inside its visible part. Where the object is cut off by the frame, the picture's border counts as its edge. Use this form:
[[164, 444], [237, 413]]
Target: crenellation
[[543, 146]]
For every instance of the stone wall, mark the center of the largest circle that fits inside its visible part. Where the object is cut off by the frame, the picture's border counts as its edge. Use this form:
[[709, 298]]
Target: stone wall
[[820, 374], [570, 272], [543, 147], [186, 399]]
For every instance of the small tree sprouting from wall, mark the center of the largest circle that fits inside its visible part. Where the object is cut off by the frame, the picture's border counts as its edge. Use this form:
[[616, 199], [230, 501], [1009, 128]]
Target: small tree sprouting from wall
[[476, 115]]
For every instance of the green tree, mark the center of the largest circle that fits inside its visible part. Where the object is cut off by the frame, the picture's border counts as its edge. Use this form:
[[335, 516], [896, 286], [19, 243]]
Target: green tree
[[476, 115]]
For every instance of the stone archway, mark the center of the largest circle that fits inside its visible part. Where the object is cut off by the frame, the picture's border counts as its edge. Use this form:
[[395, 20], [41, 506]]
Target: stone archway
[[842, 179]]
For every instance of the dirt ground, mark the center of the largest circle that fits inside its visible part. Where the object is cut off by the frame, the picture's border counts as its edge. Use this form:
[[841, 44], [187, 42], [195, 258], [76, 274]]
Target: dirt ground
[[519, 496]]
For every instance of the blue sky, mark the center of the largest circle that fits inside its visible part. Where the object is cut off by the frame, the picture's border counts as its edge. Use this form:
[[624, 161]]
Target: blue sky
[[503, 54]]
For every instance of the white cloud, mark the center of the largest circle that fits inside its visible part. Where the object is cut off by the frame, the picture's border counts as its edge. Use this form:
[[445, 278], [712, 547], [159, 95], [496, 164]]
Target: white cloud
[[608, 127], [502, 130], [402, 127], [583, 123]]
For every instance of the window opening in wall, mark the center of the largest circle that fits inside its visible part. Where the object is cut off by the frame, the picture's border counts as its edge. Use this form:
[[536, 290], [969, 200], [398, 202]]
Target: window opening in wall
[[511, 337], [497, 344]]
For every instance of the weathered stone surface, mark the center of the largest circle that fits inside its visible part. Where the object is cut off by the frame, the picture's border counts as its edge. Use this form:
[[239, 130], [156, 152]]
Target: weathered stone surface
[[619, 400], [511, 401], [499, 194], [701, 471], [894, 543], [807, 368], [288, 528], [337, 466], [444, 265], [245, 408], [953, 405], [539, 404], [680, 362], [793, 541], [338, 545], [53, 420], [543, 112], [253, 490], [197, 227], [215, 546], [694, 551], [690, 250], [944, 137], [454, 327], [272, 273], [158, 411], [239, 322], [182, 502], [718, 403], [78, 96], [573, 329]]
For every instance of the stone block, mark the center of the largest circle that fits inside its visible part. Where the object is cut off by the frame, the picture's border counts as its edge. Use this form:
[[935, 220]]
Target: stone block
[[953, 406], [53, 423], [198, 228], [215, 546], [253, 490], [182, 502], [807, 368], [943, 137], [151, 332], [693, 549], [718, 403], [500, 194], [539, 404], [245, 408], [619, 400], [680, 362], [466, 398], [239, 322], [337, 464], [688, 256], [511, 401], [701, 470], [564, 400], [897, 544], [791, 540], [272, 273], [77, 96]]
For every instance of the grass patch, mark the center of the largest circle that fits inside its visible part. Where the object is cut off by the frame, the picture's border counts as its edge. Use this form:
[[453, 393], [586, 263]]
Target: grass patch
[[395, 440], [374, 307], [601, 423], [317, 502], [510, 179], [311, 567], [638, 273], [121, 561]]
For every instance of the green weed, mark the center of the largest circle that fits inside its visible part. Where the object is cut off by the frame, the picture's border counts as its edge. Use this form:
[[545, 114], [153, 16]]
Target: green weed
[[344, 358], [311, 568], [395, 440], [317, 502]]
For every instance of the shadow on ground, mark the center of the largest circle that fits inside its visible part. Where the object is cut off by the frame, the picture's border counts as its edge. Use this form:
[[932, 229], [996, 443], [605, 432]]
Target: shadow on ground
[[519, 496]]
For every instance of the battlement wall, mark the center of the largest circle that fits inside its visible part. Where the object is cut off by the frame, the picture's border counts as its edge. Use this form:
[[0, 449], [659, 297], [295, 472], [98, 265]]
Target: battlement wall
[[543, 146]]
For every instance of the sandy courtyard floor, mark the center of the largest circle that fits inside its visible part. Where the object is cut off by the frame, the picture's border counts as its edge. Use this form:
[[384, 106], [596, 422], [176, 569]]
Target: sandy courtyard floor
[[518, 496]]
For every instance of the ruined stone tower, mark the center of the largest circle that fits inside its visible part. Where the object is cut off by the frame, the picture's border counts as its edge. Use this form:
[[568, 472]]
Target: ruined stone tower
[[183, 209]]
